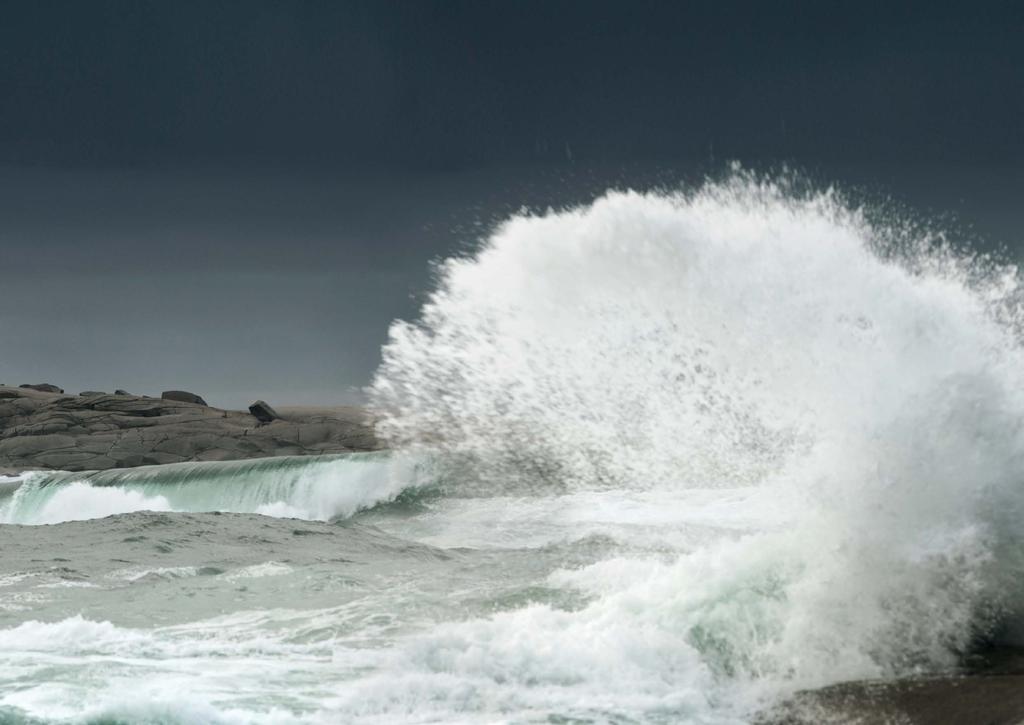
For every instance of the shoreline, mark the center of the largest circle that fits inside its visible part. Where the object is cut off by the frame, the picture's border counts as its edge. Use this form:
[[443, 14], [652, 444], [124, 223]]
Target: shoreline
[[44, 430]]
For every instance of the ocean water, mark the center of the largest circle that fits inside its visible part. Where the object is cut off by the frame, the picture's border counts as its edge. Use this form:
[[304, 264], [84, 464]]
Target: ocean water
[[669, 457]]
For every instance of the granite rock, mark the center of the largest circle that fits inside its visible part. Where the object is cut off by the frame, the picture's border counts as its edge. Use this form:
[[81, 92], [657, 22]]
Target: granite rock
[[42, 387], [49, 430], [262, 412], [182, 396]]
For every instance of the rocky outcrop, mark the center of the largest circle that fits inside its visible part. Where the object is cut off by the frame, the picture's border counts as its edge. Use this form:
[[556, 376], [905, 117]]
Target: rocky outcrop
[[997, 699], [45, 430], [182, 396], [988, 689], [262, 412], [43, 387]]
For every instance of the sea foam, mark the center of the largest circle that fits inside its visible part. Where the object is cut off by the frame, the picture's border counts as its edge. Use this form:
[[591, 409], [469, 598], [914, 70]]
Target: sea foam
[[857, 369]]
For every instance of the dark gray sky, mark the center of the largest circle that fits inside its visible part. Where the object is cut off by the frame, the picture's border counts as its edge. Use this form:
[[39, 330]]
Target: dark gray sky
[[237, 197]]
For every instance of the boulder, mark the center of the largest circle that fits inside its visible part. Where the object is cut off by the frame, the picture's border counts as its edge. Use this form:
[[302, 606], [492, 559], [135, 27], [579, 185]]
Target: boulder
[[182, 396], [121, 392], [262, 411], [43, 387]]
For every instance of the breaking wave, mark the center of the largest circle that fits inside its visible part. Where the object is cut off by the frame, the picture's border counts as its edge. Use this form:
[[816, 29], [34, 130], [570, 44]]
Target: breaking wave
[[859, 371], [322, 488]]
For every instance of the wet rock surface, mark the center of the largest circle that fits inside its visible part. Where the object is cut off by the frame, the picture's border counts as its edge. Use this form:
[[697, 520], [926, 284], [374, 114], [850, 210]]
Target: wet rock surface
[[48, 430], [989, 690]]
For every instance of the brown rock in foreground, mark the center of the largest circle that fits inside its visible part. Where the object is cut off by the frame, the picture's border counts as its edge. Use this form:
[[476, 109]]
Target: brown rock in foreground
[[44, 430], [987, 699], [988, 692]]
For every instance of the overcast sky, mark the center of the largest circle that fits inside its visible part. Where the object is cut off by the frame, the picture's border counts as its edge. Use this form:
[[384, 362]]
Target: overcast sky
[[236, 198]]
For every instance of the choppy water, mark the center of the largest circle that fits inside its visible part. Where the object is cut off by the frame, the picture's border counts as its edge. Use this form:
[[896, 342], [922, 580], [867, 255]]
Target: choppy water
[[167, 616], [666, 458]]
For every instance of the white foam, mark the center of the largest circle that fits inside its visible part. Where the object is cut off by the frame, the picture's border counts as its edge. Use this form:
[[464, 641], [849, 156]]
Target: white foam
[[219, 671], [162, 572], [866, 378], [677, 519], [79, 501], [259, 571]]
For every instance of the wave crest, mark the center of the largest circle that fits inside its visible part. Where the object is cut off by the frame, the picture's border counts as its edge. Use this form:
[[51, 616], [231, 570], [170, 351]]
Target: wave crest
[[750, 332]]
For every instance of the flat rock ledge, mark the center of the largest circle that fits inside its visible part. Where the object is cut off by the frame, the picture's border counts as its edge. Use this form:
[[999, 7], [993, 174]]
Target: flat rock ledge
[[49, 430], [983, 699], [988, 691]]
